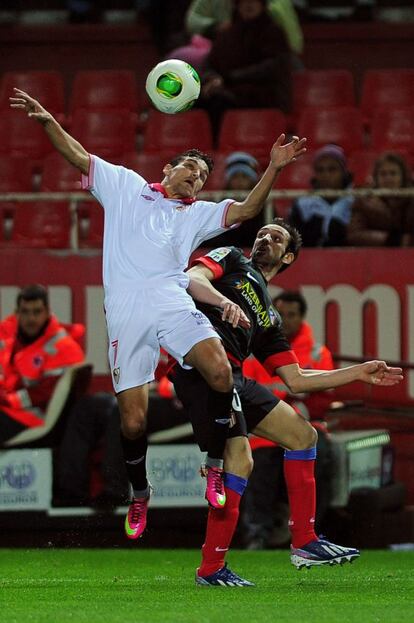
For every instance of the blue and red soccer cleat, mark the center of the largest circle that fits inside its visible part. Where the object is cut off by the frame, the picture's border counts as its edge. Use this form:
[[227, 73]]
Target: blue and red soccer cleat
[[322, 552], [222, 577]]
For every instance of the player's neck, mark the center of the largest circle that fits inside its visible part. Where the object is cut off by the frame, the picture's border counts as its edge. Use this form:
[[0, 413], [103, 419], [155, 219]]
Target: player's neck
[[267, 271]]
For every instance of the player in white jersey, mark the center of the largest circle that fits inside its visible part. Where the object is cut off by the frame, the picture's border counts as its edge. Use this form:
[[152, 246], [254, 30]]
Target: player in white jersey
[[149, 234]]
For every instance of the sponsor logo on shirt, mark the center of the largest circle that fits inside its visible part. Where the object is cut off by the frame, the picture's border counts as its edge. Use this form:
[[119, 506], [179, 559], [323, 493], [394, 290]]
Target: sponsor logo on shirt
[[200, 318], [249, 294]]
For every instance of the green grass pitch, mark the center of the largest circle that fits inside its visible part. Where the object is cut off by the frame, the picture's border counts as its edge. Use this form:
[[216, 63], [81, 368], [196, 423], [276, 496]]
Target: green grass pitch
[[151, 586]]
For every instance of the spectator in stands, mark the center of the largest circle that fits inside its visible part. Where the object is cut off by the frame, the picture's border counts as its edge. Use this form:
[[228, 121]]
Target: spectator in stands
[[241, 174], [323, 221], [35, 350], [210, 17], [248, 65], [384, 221], [266, 512]]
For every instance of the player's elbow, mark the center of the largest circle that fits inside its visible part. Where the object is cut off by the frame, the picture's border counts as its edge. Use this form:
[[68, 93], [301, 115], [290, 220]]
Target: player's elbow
[[295, 384]]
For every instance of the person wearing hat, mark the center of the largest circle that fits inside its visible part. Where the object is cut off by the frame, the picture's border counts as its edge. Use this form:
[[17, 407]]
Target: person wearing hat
[[323, 221]]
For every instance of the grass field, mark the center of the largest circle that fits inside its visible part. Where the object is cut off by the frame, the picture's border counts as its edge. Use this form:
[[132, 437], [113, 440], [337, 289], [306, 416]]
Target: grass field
[[111, 586]]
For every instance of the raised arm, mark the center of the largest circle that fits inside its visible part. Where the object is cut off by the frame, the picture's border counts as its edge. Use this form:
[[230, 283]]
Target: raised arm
[[70, 149], [280, 156], [203, 291], [371, 372]]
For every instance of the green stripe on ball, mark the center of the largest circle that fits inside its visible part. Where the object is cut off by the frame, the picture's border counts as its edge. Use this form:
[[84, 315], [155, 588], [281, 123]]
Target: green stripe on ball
[[169, 85]]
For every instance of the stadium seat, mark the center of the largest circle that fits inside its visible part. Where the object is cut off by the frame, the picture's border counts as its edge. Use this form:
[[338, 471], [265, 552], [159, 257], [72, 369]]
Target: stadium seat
[[387, 88], [43, 225], [90, 225], [296, 176], [361, 163], [252, 130], [215, 180], [15, 176], [342, 126], [104, 90], [150, 166], [59, 176], [106, 133], [393, 129], [172, 134], [45, 86], [21, 137], [322, 88]]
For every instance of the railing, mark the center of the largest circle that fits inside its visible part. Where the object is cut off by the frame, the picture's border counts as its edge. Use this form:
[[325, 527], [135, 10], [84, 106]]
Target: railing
[[73, 198]]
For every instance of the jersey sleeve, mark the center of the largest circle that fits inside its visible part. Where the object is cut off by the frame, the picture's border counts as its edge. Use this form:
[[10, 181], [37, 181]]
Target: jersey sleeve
[[219, 261], [273, 350], [210, 218], [107, 181]]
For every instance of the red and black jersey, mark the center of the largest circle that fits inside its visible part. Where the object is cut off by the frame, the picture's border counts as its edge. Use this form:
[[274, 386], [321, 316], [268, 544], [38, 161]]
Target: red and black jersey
[[237, 278]]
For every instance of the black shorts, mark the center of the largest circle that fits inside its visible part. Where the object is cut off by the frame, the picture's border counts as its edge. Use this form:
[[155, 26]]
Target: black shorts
[[251, 404]]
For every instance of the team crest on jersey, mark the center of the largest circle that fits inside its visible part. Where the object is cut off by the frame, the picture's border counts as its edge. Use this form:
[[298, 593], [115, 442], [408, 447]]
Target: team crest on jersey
[[116, 373], [37, 361], [148, 197], [218, 254], [181, 207]]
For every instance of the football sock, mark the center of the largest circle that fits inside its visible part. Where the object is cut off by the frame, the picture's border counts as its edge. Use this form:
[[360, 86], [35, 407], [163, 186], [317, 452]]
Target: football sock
[[135, 452], [299, 467], [221, 524], [220, 411]]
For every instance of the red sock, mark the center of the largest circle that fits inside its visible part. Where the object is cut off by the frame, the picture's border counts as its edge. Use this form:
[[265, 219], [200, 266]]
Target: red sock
[[299, 466], [221, 524]]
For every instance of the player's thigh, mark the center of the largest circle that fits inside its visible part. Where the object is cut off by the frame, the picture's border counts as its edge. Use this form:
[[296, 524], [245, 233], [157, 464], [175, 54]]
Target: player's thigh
[[210, 359], [238, 457], [286, 427], [133, 408], [133, 349]]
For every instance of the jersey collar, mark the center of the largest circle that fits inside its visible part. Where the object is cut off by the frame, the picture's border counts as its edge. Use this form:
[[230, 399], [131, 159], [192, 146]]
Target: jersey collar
[[160, 188]]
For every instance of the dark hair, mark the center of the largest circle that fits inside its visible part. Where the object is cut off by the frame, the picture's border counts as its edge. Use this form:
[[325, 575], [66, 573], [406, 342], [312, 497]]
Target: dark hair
[[292, 296], [394, 159], [33, 292], [295, 241], [193, 153]]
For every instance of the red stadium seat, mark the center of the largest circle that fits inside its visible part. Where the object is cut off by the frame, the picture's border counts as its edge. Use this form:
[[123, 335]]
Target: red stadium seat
[[15, 176], [342, 126], [361, 164], [45, 86], [386, 88], [104, 90], [323, 88], [296, 176], [252, 130], [106, 133], [172, 134], [90, 226], [59, 176], [149, 166], [44, 225], [393, 129], [216, 179], [21, 137]]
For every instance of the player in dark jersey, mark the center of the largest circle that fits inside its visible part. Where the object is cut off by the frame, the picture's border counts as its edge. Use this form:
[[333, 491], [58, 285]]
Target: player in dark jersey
[[225, 273]]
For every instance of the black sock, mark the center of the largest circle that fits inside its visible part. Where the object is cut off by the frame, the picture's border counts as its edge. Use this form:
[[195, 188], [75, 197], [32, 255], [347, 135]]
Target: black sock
[[220, 411], [135, 453]]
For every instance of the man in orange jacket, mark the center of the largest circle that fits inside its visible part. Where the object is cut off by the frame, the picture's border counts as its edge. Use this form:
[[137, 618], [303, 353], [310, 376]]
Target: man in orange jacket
[[35, 350], [265, 510]]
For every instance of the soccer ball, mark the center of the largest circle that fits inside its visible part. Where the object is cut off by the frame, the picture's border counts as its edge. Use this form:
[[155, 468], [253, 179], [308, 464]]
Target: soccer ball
[[173, 86]]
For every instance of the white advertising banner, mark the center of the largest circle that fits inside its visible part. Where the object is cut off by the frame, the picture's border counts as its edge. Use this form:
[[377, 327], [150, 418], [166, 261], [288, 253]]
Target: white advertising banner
[[25, 479], [174, 472]]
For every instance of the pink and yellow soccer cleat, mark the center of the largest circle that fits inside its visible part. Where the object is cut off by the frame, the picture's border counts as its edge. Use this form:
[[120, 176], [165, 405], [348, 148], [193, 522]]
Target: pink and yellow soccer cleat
[[215, 493], [136, 519]]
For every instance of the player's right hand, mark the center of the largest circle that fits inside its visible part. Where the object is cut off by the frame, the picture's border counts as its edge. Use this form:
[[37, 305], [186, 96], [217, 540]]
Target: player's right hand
[[23, 101], [234, 314]]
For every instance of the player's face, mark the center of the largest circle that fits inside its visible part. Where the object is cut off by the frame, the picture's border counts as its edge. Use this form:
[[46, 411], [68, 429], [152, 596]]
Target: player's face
[[188, 177], [240, 181], [389, 175], [31, 316], [328, 173], [270, 245], [291, 317]]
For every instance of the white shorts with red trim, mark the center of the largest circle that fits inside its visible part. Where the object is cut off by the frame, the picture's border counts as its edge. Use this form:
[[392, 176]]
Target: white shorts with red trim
[[141, 321]]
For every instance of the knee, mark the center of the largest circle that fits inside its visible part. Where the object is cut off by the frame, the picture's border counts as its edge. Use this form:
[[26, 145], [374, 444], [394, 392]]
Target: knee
[[133, 423], [305, 438], [220, 376], [240, 465]]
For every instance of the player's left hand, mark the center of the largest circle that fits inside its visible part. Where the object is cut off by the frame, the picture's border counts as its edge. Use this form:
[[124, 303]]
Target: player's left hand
[[234, 314], [281, 154], [378, 373]]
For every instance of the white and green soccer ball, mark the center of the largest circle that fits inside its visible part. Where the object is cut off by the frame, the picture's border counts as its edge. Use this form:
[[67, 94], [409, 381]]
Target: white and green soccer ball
[[173, 86]]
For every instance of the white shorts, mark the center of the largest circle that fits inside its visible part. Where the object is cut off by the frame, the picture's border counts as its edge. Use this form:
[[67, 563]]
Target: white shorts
[[140, 322]]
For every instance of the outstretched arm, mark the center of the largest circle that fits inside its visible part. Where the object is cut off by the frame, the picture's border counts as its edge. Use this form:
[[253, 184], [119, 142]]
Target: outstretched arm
[[280, 156], [70, 149], [371, 372]]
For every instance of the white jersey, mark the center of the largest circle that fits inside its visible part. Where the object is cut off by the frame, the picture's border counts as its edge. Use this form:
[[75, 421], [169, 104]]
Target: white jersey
[[147, 237]]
